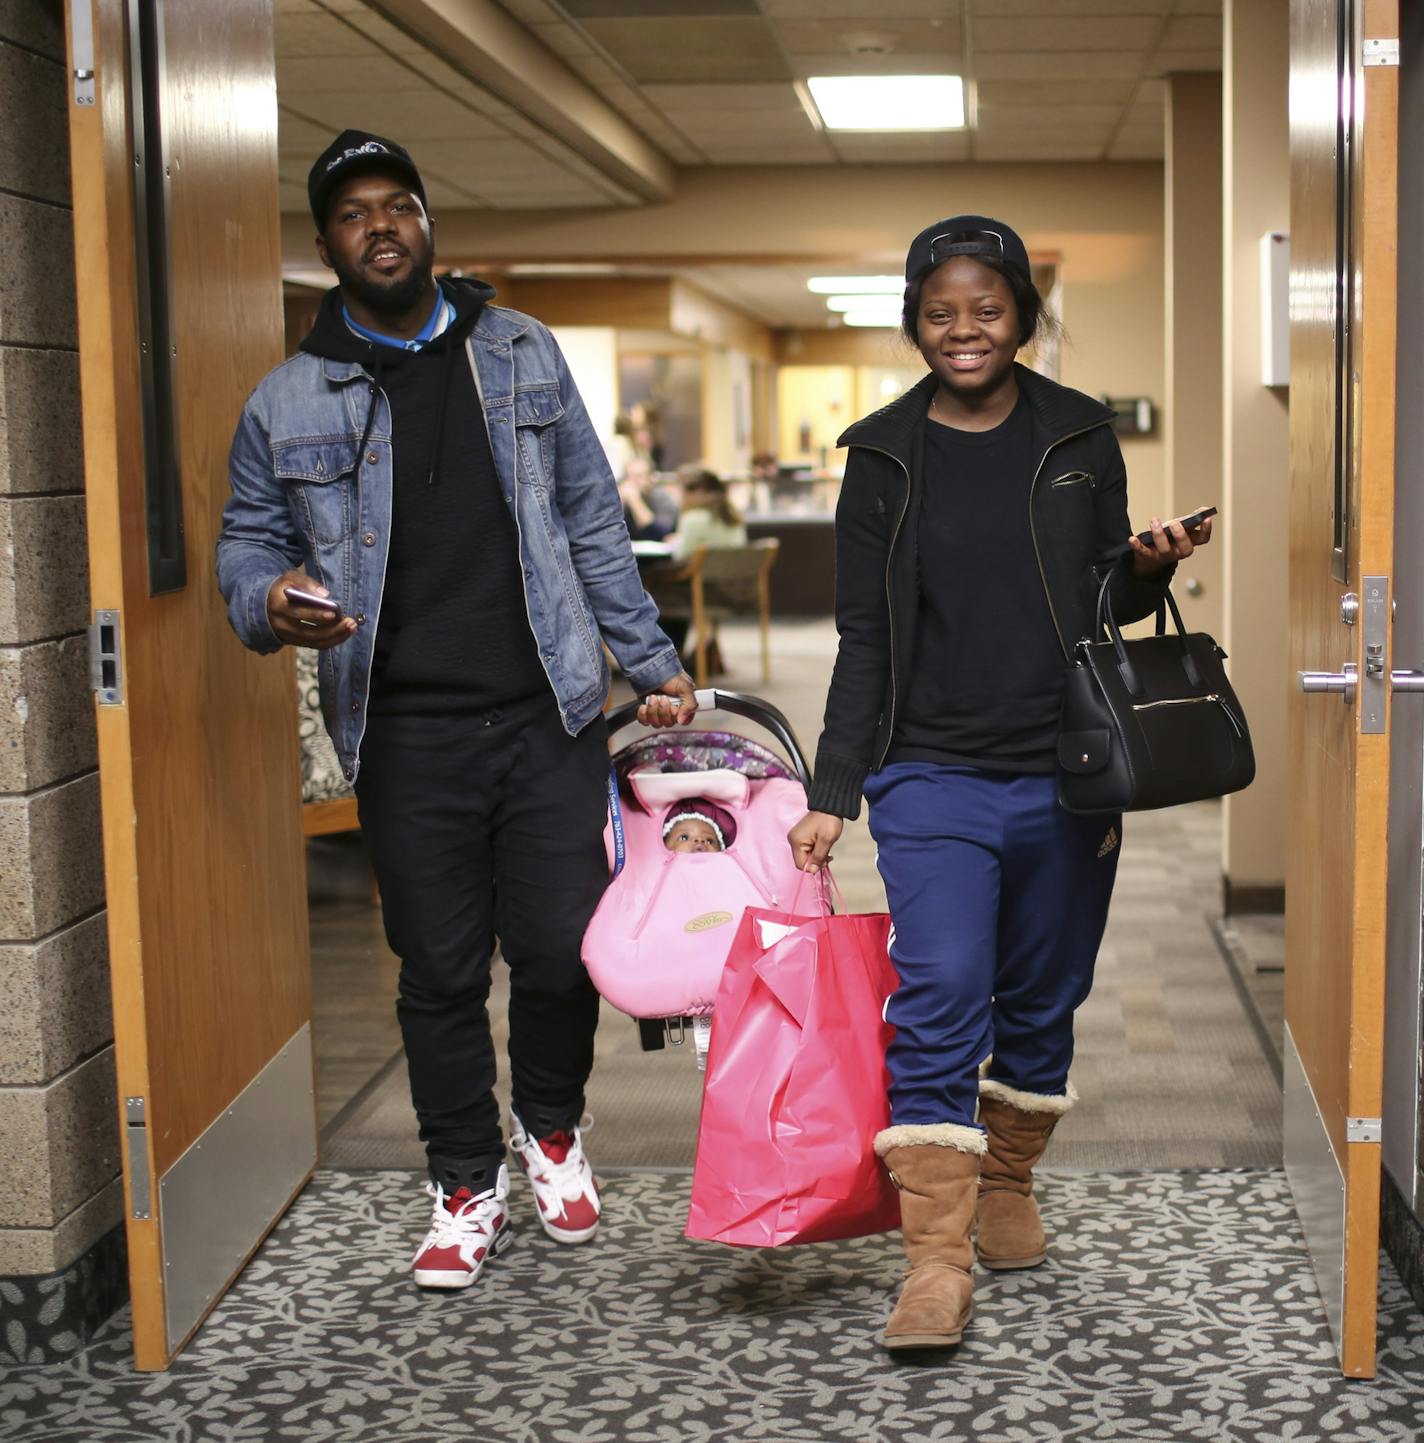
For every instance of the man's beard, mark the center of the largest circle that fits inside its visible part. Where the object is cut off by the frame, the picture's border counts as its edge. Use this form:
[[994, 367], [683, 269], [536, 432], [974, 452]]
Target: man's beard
[[395, 298]]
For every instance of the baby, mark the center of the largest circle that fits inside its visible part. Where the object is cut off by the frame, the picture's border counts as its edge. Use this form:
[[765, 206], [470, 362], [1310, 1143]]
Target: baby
[[697, 825]]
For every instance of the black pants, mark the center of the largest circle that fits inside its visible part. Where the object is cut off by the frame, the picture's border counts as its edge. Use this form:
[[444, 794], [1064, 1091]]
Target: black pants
[[484, 827]]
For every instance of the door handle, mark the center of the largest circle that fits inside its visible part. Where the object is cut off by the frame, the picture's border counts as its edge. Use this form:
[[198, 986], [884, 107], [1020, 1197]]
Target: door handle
[[1407, 680], [1345, 681]]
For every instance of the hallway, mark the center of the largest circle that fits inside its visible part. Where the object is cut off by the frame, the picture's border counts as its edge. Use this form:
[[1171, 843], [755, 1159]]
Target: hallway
[[1178, 1303]]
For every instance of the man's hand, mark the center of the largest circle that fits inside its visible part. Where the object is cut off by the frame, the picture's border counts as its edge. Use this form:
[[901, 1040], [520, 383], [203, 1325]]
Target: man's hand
[[1171, 541], [674, 701], [812, 838], [299, 624]]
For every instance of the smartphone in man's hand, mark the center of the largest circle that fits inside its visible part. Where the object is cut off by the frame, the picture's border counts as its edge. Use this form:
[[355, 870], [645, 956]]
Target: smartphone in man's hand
[[298, 597]]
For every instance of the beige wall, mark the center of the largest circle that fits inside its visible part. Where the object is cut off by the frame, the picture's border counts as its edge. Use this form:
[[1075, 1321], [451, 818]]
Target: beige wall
[[1192, 413], [1105, 222], [1255, 493]]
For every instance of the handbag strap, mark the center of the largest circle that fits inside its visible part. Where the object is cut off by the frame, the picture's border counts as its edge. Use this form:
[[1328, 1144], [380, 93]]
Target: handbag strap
[[1106, 621], [615, 815], [826, 884]]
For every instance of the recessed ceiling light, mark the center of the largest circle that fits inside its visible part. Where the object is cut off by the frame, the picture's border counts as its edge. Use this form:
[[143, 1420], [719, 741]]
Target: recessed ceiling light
[[889, 102], [864, 303], [888, 319], [856, 285]]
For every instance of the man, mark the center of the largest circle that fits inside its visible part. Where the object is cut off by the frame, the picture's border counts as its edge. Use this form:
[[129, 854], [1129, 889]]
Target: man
[[426, 474]]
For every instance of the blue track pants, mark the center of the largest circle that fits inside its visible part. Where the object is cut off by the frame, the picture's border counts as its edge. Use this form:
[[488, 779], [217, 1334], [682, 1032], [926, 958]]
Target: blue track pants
[[999, 899]]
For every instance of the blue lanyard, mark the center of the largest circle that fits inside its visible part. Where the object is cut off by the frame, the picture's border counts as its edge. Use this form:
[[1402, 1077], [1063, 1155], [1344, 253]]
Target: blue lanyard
[[615, 814], [416, 343]]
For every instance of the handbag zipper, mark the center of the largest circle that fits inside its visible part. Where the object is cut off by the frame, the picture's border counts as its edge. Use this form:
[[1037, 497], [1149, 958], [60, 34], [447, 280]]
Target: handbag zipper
[[1192, 701]]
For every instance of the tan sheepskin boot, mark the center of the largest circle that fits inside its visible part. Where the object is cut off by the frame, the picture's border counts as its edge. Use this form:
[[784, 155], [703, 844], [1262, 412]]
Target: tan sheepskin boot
[[936, 1169], [1009, 1232]]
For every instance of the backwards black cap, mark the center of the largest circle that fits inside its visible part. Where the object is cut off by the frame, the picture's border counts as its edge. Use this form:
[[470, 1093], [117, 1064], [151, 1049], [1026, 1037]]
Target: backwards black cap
[[351, 152], [966, 235]]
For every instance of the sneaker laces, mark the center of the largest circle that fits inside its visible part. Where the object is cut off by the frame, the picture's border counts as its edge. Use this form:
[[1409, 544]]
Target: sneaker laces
[[557, 1180], [469, 1221]]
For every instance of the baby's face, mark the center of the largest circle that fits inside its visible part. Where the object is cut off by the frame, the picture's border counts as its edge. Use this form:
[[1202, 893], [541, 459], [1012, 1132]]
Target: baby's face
[[692, 835]]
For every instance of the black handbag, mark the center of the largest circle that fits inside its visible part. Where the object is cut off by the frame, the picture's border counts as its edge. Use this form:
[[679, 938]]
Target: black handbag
[[1151, 722]]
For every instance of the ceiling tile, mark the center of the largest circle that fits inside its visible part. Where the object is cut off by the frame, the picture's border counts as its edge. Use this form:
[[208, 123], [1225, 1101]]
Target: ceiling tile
[[929, 62], [657, 9], [1064, 33], [901, 149], [349, 75], [383, 33], [322, 36], [868, 14], [531, 12], [1039, 148], [697, 50], [698, 125], [1195, 32], [740, 153], [1022, 117], [677, 98], [563, 39], [908, 37], [1027, 65], [408, 116], [1058, 92], [994, 9]]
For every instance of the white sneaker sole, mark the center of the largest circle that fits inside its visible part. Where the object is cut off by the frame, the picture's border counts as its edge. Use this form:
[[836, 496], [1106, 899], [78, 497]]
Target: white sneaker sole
[[451, 1280], [564, 1235]]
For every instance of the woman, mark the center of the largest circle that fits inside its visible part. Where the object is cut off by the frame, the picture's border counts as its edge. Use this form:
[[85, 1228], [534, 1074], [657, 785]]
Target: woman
[[973, 511], [708, 517]]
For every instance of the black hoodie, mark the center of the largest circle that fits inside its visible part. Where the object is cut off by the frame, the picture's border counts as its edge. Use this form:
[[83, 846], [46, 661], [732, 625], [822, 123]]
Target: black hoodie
[[453, 634]]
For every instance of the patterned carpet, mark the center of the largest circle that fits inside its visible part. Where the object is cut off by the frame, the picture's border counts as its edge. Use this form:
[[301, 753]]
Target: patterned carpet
[[1176, 1306]]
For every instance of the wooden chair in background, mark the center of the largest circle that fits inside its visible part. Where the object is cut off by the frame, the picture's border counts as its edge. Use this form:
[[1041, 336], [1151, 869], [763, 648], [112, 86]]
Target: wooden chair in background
[[715, 584]]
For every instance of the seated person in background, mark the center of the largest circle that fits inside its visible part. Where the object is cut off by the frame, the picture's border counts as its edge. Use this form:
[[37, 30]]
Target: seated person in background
[[697, 825], [649, 513], [708, 517]]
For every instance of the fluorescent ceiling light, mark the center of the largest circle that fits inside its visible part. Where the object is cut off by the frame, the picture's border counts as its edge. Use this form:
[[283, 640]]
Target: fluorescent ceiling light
[[864, 303], [856, 285], [889, 102], [887, 319]]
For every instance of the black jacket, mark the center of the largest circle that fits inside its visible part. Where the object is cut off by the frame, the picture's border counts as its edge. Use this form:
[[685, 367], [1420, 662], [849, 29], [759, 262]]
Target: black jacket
[[1078, 518]]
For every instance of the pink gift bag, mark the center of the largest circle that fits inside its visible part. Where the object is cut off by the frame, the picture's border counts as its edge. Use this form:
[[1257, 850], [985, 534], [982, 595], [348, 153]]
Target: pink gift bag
[[796, 1085]]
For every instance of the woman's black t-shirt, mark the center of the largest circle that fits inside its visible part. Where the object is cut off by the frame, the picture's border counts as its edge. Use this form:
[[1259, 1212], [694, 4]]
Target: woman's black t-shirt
[[986, 680]]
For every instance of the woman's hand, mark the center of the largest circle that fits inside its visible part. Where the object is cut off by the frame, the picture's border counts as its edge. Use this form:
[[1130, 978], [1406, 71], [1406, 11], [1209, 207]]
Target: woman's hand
[[1171, 541], [812, 838]]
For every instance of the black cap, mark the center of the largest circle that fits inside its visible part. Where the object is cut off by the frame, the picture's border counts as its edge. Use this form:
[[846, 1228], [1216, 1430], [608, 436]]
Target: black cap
[[966, 235], [351, 152]]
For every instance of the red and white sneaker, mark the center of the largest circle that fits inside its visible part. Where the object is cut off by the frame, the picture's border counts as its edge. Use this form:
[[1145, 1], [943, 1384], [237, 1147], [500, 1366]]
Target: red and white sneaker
[[466, 1228], [565, 1188]]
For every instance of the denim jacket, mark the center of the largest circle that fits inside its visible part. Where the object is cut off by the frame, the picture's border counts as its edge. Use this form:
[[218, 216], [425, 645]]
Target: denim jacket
[[302, 498]]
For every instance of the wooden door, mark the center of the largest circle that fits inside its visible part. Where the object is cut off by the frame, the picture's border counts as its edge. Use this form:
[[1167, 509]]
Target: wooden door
[[179, 299], [1344, 105]]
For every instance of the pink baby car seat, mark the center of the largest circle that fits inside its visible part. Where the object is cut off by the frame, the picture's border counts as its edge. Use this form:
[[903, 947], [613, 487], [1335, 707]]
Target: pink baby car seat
[[657, 943]]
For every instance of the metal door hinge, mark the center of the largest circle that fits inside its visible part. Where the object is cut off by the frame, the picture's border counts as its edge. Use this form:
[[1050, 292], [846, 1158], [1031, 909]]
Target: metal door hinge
[[105, 673], [1363, 1129], [81, 27], [1381, 52], [136, 1138]]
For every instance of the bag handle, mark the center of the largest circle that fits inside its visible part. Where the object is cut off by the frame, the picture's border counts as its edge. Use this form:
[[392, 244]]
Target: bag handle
[[1106, 621], [826, 884]]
